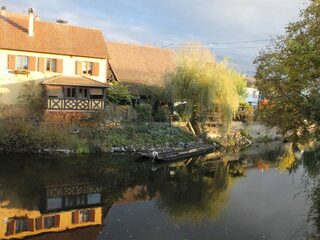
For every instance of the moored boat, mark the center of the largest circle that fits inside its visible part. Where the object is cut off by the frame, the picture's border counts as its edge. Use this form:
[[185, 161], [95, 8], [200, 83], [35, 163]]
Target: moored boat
[[177, 154]]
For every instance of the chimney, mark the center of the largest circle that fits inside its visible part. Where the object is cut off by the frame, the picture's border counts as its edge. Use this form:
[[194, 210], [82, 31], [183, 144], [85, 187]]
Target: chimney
[[31, 22], [61, 21], [3, 11]]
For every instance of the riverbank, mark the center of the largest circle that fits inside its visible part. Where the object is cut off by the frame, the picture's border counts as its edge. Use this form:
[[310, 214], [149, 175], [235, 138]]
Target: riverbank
[[24, 131], [20, 136], [116, 136]]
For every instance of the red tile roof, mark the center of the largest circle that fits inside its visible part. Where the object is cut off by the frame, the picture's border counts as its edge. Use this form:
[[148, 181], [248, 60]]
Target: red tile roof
[[49, 37], [135, 64]]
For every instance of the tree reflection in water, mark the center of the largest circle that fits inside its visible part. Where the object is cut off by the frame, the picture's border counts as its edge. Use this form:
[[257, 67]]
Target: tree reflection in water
[[311, 162], [193, 190]]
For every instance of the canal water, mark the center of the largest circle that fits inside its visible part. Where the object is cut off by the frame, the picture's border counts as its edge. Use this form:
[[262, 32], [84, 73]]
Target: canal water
[[269, 191]]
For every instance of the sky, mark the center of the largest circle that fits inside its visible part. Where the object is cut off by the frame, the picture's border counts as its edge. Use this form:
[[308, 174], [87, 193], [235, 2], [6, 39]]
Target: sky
[[170, 23]]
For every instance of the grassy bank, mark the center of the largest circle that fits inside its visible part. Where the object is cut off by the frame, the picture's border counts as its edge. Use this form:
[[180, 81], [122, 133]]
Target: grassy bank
[[23, 136]]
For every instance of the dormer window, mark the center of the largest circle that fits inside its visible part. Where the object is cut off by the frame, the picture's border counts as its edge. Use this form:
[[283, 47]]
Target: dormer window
[[22, 62], [87, 68], [51, 65]]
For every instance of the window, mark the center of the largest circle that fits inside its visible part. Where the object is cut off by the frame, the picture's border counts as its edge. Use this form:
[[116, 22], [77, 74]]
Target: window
[[49, 222], [255, 94], [54, 203], [83, 216], [94, 198], [75, 201], [51, 65], [96, 93], [83, 93], [71, 92], [21, 225], [87, 68], [22, 62]]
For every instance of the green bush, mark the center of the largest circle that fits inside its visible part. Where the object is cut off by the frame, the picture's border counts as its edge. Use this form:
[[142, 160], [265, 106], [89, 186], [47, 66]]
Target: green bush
[[22, 136], [31, 96], [162, 114], [144, 112], [245, 133], [119, 94]]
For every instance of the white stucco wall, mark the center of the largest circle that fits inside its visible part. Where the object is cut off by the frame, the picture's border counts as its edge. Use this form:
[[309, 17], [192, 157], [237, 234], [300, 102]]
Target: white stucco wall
[[10, 83]]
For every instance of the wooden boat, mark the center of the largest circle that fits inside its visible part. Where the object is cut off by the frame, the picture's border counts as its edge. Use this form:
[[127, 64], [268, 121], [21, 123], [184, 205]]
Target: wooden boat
[[177, 154]]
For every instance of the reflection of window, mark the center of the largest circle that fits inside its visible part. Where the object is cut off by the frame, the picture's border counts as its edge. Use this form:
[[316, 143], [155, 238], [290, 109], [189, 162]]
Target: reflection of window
[[51, 64], [87, 68], [83, 93], [21, 225], [22, 62], [71, 92], [75, 201], [83, 216], [94, 198], [49, 222], [54, 203], [255, 94]]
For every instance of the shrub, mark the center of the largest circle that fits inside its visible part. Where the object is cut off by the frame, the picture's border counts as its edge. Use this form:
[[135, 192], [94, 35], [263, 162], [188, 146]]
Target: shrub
[[162, 114], [245, 113], [31, 96], [119, 94], [144, 112], [245, 133]]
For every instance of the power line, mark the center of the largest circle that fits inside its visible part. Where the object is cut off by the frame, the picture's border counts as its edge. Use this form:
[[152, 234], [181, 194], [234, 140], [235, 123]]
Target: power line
[[219, 43], [238, 47]]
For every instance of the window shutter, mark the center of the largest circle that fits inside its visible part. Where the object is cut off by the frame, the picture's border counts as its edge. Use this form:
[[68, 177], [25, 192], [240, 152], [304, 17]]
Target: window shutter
[[30, 224], [39, 223], [91, 214], [79, 68], [57, 220], [32, 63], [11, 62], [95, 69], [10, 227], [41, 64], [75, 217], [59, 66]]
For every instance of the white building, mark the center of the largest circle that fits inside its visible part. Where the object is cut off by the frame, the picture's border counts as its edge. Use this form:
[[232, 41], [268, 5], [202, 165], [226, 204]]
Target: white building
[[252, 96], [70, 61]]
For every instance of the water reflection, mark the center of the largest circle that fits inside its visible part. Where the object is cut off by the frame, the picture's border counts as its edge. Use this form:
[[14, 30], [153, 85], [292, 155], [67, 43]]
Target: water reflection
[[72, 197]]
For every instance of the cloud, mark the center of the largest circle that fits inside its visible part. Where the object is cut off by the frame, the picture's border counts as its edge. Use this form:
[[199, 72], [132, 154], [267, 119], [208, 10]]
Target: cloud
[[167, 21]]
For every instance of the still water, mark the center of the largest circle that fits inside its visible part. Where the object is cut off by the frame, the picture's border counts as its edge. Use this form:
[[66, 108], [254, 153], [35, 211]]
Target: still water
[[268, 191]]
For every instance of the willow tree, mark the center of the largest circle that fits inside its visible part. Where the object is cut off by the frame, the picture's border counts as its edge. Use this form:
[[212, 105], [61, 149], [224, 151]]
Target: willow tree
[[206, 86]]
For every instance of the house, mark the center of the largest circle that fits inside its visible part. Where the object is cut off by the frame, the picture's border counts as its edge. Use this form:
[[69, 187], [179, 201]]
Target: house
[[136, 65], [69, 61], [252, 96], [252, 93], [63, 211]]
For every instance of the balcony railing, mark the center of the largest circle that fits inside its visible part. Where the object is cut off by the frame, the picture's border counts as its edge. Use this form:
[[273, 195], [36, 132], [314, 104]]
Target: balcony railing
[[75, 104]]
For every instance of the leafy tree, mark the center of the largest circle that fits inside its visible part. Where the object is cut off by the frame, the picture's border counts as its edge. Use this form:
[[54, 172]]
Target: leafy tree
[[288, 74], [205, 85]]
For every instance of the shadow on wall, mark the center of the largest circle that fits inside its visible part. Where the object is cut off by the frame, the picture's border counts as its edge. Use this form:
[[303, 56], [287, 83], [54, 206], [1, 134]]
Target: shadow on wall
[[9, 92]]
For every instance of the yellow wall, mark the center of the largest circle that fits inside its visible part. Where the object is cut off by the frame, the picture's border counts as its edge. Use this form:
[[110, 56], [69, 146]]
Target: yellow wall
[[10, 84], [65, 221]]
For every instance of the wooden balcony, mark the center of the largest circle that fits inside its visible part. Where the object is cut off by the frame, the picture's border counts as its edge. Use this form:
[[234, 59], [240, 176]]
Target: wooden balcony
[[64, 104]]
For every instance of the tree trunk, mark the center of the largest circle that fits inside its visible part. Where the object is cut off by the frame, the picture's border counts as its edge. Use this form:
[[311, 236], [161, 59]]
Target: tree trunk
[[194, 123]]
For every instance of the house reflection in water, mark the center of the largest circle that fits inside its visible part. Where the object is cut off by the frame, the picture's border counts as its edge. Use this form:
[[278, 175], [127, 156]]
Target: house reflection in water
[[63, 207]]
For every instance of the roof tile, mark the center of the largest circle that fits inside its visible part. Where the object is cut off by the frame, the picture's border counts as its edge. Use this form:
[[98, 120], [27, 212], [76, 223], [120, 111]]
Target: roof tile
[[49, 37]]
